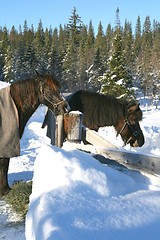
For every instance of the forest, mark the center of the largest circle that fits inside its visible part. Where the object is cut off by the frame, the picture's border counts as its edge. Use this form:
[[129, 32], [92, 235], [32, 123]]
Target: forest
[[116, 60]]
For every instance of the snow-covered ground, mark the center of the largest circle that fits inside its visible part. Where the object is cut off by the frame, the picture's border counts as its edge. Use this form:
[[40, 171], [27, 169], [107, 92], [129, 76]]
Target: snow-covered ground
[[75, 197]]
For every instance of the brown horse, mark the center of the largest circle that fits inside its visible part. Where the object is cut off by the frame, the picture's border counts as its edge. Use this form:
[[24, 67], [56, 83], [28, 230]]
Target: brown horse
[[104, 110], [27, 95]]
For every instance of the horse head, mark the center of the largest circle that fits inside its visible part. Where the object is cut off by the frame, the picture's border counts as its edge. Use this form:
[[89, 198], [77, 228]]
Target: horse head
[[50, 94], [128, 126]]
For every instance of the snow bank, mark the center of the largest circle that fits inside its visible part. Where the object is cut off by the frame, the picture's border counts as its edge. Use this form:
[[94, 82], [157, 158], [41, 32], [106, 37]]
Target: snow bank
[[76, 197], [3, 84]]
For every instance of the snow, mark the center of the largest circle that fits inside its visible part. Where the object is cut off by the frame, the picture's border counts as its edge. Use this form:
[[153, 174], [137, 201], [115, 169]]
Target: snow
[[76, 197], [3, 84]]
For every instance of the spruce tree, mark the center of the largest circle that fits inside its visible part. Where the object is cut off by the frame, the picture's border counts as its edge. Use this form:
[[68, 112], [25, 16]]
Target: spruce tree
[[4, 43], [39, 42], [70, 61], [82, 80], [155, 56], [108, 40], [145, 65], [117, 80]]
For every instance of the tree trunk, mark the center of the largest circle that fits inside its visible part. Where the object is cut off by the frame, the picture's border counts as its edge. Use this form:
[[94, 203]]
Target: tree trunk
[[4, 165]]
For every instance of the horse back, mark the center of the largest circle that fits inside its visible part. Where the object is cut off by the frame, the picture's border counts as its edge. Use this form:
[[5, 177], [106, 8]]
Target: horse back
[[98, 110]]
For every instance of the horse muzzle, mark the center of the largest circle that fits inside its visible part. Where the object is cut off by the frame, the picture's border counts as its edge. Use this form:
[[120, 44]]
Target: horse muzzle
[[62, 108], [135, 144], [138, 142]]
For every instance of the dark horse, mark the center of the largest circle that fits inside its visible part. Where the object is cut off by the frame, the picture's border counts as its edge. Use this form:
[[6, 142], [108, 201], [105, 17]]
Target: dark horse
[[104, 110], [27, 95]]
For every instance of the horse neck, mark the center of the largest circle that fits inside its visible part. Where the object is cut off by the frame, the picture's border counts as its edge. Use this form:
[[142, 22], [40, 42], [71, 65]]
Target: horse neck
[[26, 103], [121, 117]]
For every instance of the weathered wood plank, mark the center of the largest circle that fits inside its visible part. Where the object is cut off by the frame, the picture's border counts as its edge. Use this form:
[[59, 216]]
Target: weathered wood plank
[[149, 164], [134, 161], [59, 131], [95, 139]]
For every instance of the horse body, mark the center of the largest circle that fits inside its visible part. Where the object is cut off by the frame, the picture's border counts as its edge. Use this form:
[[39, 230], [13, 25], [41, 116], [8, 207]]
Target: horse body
[[104, 110], [28, 95]]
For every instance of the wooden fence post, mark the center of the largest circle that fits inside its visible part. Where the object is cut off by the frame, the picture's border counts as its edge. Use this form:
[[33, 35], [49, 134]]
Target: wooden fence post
[[73, 126], [59, 131]]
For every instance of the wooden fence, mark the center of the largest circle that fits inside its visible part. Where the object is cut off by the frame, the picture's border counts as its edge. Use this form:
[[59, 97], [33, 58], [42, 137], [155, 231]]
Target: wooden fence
[[70, 126]]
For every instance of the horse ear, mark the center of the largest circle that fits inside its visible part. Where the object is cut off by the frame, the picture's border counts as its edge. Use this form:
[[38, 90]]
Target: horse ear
[[132, 106]]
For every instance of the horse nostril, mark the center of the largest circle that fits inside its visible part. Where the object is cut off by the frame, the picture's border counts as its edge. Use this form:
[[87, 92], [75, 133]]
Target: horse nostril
[[135, 144]]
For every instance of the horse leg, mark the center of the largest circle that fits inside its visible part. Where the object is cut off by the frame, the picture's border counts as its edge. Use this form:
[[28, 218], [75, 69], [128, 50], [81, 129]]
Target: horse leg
[[4, 165]]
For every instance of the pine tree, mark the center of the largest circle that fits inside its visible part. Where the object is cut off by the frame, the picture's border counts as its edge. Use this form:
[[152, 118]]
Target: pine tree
[[4, 43], [155, 59], [90, 45], [9, 66], [128, 44], [82, 80], [70, 61], [53, 53], [29, 52], [98, 59], [100, 41], [138, 39], [39, 42], [145, 65], [109, 37], [117, 80], [74, 26], [70, 67]]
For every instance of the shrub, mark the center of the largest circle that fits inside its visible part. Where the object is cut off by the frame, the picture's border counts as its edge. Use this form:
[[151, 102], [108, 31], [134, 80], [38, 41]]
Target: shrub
[[18, 197]]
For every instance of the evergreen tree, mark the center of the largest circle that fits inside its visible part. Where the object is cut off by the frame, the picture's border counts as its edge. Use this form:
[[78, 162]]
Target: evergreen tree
[[89, 53], [82, 80], [4, 43], [70, 67], [138, 39], [70, 60], [90, 43], [144, 63], [29, 52], [109, 37], [9, 66], [117, 80], [128, 44], [155, 59], [98, 61], [100, 41], [39, 42], [74, 26], [53, 54]]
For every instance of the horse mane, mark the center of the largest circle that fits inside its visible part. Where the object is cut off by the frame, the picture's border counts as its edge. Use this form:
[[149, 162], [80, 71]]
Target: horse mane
[[29, 87], [22, 88], [98, 109]]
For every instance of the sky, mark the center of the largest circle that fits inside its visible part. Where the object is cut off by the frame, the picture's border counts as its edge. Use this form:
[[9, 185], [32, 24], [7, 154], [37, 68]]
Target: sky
[[53, 13]]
